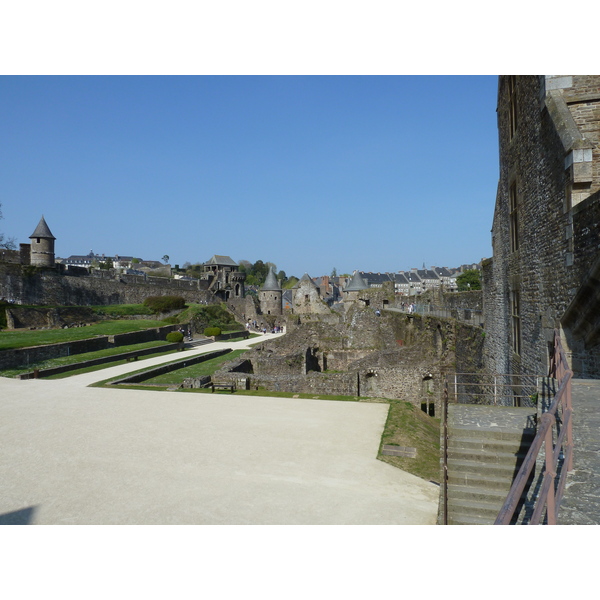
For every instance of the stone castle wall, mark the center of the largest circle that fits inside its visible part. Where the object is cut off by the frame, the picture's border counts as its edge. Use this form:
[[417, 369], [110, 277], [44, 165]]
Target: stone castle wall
[[556, 239], [28, 285]]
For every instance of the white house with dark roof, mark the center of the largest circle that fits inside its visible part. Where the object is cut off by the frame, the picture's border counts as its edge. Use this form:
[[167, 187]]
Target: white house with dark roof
[[447, 278], [415, 285]]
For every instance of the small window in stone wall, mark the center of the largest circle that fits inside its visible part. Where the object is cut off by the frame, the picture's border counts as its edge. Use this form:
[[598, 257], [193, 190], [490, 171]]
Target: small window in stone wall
[[515, 305], [514, 217]]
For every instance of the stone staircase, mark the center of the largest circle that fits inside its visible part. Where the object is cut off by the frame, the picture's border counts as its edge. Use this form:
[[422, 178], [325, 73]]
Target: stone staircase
[[486, 445]]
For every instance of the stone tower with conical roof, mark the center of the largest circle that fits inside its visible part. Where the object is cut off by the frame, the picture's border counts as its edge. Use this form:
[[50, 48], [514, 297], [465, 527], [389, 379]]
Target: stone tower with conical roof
[[354, 288], [270, 294], [42, 245]]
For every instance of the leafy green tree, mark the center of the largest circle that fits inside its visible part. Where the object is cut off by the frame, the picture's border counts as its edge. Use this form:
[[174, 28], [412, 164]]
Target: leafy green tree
[[290, 283], [469, 280]]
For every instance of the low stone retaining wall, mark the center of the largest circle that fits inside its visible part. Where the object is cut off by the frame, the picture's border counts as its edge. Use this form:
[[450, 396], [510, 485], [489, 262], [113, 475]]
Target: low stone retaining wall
[[234, 334], [332, 384], [134, 354], [151, 373], [19, 357]]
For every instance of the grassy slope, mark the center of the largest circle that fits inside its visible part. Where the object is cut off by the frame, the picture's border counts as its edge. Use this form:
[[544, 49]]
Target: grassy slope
[[408, 426]]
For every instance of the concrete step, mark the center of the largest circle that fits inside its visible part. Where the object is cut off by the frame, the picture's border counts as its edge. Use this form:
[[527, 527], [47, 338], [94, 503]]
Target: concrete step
[[476, 494], [465, 519], [477, 467], [490, 433], [487, 457], [460, 510], [483, 480], [490, 445]]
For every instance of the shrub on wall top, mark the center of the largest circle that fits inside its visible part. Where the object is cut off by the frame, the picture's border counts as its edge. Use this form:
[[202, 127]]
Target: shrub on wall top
[[175, 337], [212, 331]]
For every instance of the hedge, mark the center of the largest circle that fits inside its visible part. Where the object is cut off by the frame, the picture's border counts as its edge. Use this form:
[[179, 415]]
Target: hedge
[[212, 331]]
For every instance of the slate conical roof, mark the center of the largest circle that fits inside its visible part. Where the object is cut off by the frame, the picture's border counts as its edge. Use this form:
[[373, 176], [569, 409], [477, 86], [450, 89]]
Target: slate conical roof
[[42, 231], [271, 284], [357, 284]]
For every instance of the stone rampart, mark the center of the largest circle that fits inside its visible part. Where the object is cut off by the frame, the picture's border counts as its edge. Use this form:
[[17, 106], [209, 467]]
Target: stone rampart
[[35, 286], [25, 316]]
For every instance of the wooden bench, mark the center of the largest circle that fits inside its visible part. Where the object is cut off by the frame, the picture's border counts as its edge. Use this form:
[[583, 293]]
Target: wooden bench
[[130, 358], [221, 385]]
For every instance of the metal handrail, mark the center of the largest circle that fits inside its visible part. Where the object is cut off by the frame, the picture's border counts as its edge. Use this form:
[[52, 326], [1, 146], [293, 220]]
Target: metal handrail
[[445, 452], [550, 494]]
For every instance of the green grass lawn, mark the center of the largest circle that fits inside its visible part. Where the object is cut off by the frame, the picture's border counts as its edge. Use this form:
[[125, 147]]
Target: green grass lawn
[[122, 310], [23, 339], [409, 426]]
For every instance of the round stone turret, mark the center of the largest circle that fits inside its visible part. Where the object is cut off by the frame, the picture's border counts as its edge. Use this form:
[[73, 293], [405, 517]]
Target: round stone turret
[[42, 245], [355, 286], [270, 294]]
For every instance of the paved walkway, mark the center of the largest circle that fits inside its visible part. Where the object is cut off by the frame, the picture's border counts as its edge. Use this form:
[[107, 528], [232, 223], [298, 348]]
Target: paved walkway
[[581, 502], [71, 454]]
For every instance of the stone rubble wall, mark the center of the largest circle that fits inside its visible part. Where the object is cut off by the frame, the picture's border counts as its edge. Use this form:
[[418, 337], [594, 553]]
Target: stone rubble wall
[[389, 356]]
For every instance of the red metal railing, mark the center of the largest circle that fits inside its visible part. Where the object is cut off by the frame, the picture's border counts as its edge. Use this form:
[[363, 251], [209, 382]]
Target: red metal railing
[[555, 434]]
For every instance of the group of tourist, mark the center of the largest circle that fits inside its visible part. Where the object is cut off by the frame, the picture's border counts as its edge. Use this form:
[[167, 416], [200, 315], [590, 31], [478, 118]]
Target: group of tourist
[[186, 334], [409, 308], [262, 328]]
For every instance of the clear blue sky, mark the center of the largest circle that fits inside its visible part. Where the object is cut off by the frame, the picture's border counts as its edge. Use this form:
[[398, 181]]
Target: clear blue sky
[[376, 173]]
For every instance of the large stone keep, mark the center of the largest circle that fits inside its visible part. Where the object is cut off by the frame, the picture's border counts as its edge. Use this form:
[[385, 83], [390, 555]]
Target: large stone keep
[[545, 270]]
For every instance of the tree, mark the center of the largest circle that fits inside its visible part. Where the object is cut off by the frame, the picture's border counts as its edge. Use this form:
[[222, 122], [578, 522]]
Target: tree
[[289, 283], [468, 281]]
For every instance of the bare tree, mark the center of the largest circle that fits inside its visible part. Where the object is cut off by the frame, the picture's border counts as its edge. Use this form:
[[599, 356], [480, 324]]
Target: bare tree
[[7, 243]]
